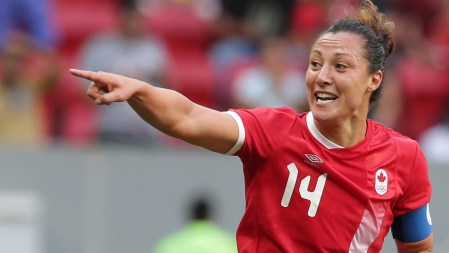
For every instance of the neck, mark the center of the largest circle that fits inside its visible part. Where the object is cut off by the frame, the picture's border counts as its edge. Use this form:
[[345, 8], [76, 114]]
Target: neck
[[344, 133]]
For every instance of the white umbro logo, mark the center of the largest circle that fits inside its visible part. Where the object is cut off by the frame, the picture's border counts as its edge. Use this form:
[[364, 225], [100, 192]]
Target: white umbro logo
[[314, 158]]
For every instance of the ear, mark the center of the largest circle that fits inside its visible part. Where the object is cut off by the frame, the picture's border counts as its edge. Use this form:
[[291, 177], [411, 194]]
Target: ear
[[376, 80]]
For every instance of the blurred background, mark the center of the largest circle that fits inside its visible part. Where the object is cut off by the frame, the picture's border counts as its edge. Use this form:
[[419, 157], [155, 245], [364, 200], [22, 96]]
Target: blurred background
[[75, 177]]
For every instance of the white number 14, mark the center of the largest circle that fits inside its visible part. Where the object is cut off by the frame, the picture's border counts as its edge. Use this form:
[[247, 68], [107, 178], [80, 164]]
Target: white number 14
[[313, 196]]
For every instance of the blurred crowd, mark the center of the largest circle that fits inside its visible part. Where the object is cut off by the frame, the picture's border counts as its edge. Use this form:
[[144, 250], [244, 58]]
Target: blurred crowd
[[219, 53]]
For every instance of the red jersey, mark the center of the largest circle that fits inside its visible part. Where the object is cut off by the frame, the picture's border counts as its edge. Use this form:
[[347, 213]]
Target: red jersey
[[307, 194]]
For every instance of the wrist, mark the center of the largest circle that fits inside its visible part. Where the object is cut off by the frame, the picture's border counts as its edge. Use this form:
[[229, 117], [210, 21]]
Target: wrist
[[140, 90]]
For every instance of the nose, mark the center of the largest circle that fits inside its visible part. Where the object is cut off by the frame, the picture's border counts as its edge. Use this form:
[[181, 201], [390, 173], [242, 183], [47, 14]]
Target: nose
[[324, 76]]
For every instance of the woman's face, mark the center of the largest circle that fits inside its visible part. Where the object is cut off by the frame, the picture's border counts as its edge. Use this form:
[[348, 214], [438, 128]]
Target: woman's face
[[338, 82]]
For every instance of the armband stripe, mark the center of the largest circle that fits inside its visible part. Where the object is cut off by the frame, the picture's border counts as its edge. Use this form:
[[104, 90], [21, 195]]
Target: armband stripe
[[413, 226]]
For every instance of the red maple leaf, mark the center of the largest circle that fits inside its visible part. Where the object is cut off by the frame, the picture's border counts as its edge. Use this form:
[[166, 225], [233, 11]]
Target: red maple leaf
[[381, 177]]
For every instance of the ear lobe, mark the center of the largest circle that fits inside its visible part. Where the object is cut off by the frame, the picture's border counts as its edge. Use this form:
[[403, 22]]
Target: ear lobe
[[376, 80]]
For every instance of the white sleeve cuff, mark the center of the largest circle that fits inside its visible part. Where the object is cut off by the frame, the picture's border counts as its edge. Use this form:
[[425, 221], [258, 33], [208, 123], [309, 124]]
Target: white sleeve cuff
[[241, 137]]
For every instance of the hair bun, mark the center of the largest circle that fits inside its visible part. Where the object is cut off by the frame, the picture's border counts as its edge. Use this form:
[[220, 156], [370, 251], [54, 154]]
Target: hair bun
[[370, 16]]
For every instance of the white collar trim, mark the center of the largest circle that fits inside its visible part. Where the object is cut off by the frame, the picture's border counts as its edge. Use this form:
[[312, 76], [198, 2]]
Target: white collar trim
[[318, 136]]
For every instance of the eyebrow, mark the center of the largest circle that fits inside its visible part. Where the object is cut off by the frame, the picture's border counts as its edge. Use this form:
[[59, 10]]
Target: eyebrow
[[335, 54], [316, 51]]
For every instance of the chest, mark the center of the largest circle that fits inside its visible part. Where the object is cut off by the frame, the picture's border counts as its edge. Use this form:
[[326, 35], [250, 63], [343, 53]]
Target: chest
[[322, 182]]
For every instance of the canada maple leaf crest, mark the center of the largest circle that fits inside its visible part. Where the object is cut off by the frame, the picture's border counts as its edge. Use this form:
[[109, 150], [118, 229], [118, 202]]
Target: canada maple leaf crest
[[381, 182], [381, 177]]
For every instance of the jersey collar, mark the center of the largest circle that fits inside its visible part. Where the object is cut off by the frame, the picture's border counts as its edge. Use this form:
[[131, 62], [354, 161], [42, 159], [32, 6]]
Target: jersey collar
[[318, 136]]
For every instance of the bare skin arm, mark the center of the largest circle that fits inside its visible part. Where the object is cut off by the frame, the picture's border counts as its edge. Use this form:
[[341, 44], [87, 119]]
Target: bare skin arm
[[166, 110], [424, 246]]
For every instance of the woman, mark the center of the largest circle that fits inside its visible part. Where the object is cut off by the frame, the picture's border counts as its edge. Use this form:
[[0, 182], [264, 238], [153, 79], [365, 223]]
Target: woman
[[325, 181]]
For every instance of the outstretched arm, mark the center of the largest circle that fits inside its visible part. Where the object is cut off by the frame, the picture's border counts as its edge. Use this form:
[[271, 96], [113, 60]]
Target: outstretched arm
[[166, 110]]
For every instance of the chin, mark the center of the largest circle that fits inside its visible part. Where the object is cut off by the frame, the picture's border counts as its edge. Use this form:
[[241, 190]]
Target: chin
[[322, 114]]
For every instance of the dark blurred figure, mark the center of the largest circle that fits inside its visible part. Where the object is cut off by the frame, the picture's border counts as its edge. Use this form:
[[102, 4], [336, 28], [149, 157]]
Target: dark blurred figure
[[261, 18], [268, 18], [199, 235], [129, 50], [383, 5], [26, 74]]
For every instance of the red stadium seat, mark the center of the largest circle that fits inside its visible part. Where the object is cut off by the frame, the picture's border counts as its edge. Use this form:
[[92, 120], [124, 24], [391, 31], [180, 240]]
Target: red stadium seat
[[184, 32], [77, 20], [194, 77]]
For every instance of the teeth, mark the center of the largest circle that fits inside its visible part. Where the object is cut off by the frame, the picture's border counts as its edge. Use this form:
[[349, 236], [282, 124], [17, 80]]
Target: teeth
[[320, 101], [324, 98], [325, 95]]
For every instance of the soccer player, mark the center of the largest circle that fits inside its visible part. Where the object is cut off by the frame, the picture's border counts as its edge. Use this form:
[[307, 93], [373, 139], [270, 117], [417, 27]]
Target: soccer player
[[329, 180]]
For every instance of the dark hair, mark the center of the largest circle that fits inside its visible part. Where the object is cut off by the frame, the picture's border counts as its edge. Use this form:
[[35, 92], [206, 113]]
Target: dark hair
[[377, 32]]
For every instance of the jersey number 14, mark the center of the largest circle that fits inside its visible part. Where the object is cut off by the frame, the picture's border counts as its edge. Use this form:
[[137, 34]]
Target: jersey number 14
[[313, 196]]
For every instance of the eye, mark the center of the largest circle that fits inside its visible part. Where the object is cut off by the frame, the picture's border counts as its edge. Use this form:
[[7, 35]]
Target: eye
[[341, 66], [315, 64]]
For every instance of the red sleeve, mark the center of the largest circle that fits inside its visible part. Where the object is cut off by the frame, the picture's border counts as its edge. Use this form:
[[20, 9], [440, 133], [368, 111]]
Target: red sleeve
[[413, 170]]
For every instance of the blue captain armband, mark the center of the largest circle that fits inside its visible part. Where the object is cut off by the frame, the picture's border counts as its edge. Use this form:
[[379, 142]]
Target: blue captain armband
[[413, 226]]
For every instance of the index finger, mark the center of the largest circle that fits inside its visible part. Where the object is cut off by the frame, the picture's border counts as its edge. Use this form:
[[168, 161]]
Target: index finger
[[89, 75]]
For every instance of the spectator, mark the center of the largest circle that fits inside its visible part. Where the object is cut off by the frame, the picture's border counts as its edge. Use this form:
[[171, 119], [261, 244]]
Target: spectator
[[132, 51], [30, 16], [26, 75], [232, 47], [186, 26], [273, 81], [200, 235]]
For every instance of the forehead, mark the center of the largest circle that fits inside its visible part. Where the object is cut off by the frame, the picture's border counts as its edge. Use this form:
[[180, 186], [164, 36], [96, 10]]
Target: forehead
[[341, 42]]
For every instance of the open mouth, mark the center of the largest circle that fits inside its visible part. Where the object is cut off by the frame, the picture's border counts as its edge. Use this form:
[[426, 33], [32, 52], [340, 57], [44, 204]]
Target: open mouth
[[324, 98]]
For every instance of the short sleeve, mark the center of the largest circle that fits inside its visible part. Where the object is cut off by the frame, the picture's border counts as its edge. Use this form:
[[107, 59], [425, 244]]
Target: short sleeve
[[417, 191], [264, 130]]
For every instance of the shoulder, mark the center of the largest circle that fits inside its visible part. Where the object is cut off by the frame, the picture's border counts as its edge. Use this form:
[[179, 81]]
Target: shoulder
[[383, 133], [407, 152], [286, 112], [268, 116]]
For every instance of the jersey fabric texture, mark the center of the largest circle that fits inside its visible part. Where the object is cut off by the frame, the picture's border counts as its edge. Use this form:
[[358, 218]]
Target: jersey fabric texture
[[307, 194]]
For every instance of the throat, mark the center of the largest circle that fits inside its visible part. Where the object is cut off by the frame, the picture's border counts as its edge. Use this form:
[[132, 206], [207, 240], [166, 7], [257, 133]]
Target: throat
[[340, 134]]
